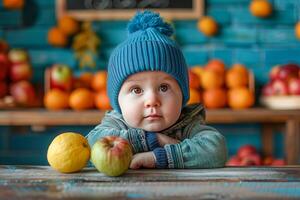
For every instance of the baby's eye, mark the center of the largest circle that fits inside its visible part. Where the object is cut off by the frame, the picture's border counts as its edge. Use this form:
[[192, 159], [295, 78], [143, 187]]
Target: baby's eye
[[136, 90], [164, 87]]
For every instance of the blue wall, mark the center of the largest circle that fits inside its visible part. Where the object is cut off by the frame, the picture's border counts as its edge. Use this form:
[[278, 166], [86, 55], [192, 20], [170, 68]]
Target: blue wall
[[257, 43]]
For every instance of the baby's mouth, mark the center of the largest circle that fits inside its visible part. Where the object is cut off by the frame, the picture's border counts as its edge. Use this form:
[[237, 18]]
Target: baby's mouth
[[153, 116]]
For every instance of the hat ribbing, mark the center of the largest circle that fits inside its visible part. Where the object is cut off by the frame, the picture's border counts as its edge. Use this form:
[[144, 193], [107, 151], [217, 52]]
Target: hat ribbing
[[148, 48]]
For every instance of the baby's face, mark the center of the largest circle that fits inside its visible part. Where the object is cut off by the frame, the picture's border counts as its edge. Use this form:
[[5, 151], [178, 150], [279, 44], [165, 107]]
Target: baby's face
[[150, 100]]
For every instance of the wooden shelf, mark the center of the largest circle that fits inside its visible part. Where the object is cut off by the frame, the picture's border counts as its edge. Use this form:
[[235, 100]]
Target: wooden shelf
[[290, 119], [93, 117]]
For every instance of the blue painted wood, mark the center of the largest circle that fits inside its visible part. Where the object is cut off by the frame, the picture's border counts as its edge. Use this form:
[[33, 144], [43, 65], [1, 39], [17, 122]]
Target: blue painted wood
[[239, 36], [45, 17], [228, 2], [9, 19], [223, 54], [27, 37], [47, 57], [195, 55], [243, 16], [278, 36], [282, 56], [248, 56], [221, 15]]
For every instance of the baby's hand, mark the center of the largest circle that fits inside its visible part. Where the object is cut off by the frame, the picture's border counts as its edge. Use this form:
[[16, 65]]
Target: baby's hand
[[164, 139], [145, 159]]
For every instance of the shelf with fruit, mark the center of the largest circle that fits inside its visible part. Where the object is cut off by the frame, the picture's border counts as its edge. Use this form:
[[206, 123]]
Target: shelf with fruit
[[283, 89], [248, 155], [16, 89], [64, 90], [217, 87]]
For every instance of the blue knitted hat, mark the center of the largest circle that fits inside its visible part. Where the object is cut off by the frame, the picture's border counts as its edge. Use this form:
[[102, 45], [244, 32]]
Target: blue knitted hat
[[147, 48]]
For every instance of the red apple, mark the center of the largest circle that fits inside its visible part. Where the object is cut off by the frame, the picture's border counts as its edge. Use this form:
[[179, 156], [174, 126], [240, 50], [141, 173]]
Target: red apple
[[18, 55], [4, 66], [20, 71], [23, 93], [111, 155], [252, 159], [61, 77], [246, 150], [278, 162], [288, 71], [280, 87], [274, 72], [294, 86], [233, 161], [268, 90], [3, 89]]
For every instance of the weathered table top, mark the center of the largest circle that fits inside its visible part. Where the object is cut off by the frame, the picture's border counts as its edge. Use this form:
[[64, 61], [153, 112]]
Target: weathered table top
[[41, 182]]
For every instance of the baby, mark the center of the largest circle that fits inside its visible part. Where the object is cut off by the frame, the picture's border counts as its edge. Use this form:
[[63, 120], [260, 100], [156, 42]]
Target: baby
[[148, 90]]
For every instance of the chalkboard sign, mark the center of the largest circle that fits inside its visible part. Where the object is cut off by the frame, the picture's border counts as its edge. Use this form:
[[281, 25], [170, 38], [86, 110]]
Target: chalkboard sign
[[125, 9]]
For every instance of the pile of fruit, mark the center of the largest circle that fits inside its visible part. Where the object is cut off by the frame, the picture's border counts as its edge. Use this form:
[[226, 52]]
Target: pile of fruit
[[15, 74], [64, 90], [247, 155], [283, 88], [218, 87]]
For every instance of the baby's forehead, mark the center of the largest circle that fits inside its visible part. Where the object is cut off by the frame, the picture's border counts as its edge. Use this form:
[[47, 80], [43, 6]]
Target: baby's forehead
[[153, 75]]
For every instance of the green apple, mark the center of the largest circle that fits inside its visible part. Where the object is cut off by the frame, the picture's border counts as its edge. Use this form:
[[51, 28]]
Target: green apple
[[111, 155]]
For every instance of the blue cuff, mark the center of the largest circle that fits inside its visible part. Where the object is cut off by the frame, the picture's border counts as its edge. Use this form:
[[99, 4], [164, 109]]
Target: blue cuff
[[151, 139], [161, 158]]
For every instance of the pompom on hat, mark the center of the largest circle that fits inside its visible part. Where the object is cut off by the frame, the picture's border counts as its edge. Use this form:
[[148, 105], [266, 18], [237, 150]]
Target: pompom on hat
[[147, 48]]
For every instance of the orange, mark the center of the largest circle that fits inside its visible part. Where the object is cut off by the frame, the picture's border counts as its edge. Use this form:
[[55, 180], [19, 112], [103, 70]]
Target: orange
[[102, 100], [68, 152], [208, 26], [198, 70], [86, 79], [56, 99], [68, 25], [240, 67], [13, 4], [216, 65], [297, 30], [81, 99], [194, 80], [260, 8], [239, 98], [236, 77], [57, 38], [195, 96], [99, 81], [211, 79], [215, 98]]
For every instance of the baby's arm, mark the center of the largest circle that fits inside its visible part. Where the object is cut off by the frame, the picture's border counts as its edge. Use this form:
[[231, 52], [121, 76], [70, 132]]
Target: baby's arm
[[111, 126], [202, 147]]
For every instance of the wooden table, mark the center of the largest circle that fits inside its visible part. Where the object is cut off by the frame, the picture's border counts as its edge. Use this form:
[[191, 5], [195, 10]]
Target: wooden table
[[42, 182], [269, 119]]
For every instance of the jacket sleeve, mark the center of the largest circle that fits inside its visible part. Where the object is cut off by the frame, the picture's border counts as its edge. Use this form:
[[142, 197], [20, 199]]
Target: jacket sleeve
[[201, 147], [113, 126]]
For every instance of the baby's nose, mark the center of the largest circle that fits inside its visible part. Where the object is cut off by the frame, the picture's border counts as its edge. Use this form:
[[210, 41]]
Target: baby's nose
[[152, 100]]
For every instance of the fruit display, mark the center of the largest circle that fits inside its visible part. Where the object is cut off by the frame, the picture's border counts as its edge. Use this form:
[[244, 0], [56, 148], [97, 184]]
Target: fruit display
[[248, 155], [16, 72], [218, 87], [282, 91], [111, 155], [64, 90]]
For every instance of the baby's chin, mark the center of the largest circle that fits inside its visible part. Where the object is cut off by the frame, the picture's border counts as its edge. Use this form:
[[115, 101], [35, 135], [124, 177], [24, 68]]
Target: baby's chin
[[154, 128]]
